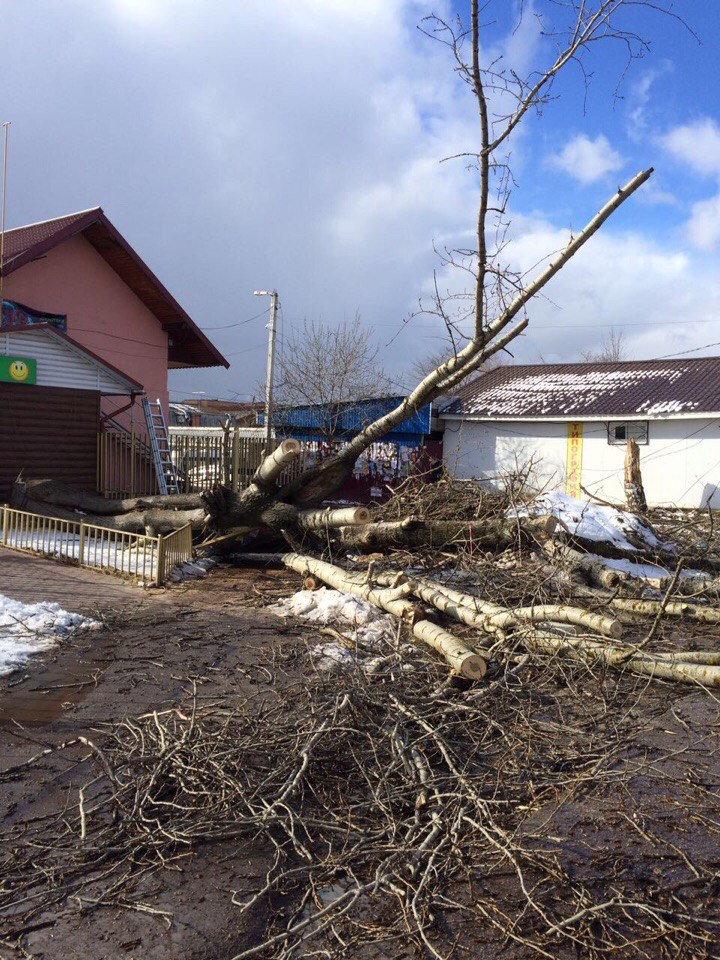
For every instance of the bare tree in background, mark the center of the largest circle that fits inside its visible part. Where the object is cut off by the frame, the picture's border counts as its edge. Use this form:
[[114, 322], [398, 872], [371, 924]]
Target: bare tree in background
[[613, 349], [483, 320], [330, 366]]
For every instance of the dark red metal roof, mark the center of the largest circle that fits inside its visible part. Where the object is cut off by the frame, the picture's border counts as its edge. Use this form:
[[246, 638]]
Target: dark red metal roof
[[643, 389], [189, 348]]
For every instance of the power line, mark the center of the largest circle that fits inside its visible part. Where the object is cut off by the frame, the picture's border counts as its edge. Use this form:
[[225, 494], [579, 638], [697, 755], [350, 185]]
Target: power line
[[237, 353], [240, 323], [681, 353]]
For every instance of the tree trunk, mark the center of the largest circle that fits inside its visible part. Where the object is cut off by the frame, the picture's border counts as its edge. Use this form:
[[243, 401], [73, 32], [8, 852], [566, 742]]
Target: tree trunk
[[56, 492], [407, 534], [634, 491]]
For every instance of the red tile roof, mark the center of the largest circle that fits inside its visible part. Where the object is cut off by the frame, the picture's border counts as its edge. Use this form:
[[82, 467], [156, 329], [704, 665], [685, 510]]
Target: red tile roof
[[643, 389], [189, 347]]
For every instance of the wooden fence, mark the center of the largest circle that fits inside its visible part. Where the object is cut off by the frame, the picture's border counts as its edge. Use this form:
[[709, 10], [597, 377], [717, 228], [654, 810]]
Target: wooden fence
[[134, 556]]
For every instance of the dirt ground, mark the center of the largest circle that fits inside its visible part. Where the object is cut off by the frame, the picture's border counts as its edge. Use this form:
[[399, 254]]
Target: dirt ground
[[213, 634], [156, 644]]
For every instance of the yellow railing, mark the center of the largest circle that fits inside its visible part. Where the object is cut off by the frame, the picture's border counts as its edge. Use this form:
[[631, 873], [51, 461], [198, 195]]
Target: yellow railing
[[173, 549], [134, 556]]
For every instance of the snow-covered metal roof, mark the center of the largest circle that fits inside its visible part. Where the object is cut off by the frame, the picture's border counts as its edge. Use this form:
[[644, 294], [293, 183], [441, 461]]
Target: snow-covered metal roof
[[646, 389]]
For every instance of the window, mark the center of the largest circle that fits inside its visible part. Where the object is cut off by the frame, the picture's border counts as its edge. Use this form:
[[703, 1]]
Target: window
[[622, 431]]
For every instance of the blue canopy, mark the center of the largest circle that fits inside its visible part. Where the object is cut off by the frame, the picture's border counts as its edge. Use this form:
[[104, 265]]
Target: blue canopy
[[343, 420]]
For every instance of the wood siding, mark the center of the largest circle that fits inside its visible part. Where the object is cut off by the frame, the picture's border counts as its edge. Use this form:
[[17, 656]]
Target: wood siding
[[48, 432]]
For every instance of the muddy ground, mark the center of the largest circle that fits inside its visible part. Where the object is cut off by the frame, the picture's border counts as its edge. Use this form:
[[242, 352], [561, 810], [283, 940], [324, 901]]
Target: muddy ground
[[215, 635], [207, 633]]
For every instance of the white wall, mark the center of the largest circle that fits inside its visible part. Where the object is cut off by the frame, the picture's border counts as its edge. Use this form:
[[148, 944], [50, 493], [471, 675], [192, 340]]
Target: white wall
[[58, 364], [680, 464]]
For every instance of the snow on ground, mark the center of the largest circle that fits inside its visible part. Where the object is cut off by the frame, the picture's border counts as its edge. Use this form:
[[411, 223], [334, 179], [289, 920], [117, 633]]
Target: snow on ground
[[26, 629], [646, 571], [102, 555], [352, 616], [591, 521]]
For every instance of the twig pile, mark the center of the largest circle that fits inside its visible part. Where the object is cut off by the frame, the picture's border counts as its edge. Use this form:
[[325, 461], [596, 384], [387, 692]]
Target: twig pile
[[394, 815]]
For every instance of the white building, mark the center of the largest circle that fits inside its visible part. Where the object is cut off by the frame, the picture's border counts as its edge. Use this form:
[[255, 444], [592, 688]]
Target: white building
[[570, 422]]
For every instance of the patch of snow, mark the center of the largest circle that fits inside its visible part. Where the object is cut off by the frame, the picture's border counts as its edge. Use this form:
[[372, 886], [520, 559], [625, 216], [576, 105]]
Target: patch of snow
[[645, 571], [594, 522], [352, 616], [96, 553], [27, 629]]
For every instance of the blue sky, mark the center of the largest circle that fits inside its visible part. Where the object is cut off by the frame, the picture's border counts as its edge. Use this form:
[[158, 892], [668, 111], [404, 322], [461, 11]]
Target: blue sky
[[296, 145]]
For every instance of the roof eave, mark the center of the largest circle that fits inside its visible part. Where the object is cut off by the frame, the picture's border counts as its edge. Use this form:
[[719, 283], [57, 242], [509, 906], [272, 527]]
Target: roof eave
[[581, 417], [96, 215]]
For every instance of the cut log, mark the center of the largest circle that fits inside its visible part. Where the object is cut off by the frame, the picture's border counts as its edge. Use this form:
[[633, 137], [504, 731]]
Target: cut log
[[333, 518], [63, 495], [457, 654], [151, 522], [409, 533], [673, 608], [591, 569], [273, 465]]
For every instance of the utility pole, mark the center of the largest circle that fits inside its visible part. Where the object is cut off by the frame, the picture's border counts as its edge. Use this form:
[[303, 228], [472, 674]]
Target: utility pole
[[270, 365], [6, 124]]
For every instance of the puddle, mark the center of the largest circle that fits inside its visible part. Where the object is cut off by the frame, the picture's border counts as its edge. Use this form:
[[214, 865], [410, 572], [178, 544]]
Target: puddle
[[42, 690]]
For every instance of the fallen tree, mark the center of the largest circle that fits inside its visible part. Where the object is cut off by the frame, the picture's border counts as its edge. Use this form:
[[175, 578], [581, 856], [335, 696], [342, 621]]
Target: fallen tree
[[499, 296]]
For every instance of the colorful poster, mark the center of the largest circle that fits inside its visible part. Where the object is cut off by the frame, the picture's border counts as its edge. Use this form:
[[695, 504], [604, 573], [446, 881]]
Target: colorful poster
[[573, 470], [18, 370]]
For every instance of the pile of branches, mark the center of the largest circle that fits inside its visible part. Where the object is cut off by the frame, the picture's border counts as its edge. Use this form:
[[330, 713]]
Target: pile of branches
[[394, 814]]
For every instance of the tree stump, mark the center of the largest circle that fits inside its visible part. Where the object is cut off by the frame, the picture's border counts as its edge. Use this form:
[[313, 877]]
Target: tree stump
[[635, 499]]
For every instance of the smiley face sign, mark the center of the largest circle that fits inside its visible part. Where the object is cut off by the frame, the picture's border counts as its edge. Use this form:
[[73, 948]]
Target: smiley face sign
[[18, 370]]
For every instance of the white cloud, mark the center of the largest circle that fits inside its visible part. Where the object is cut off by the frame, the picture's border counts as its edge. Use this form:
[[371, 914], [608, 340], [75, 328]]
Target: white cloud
[[639, 100], [588, 160], [697, 144], [656, 294], [703, 226], [293, 144]]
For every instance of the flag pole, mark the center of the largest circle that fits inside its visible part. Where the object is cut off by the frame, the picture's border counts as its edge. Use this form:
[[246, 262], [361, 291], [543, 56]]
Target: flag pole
[[6, 124]]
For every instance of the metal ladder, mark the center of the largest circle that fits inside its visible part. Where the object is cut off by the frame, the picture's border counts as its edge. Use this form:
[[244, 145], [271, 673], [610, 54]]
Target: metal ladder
[[160, 444]]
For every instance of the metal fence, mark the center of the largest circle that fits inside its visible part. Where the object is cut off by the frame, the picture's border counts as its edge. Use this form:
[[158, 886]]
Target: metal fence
[[124, 464], [134, 556], [207, 455]]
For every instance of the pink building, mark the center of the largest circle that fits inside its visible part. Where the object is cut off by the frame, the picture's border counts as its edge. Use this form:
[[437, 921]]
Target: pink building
[[80, 266], [75, 414]]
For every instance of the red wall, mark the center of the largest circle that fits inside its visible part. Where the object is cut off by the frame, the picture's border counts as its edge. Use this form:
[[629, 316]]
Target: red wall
[[103, 314]]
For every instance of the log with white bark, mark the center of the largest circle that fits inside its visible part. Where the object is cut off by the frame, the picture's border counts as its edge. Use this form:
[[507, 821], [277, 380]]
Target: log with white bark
[[411, 533], [463, 661], [693, 668], [673, 608], [333, 518], [490, 617], [590, 568]]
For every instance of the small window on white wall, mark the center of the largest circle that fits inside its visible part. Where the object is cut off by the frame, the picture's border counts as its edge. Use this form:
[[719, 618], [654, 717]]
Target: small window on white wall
[[623, 430]]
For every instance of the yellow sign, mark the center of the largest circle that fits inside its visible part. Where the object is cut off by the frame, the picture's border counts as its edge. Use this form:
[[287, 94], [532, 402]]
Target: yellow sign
[[573, 470]]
